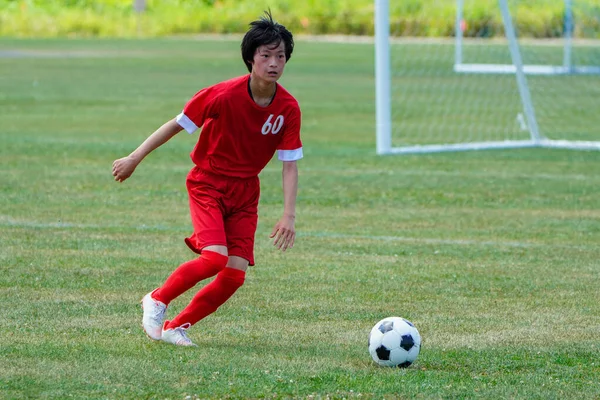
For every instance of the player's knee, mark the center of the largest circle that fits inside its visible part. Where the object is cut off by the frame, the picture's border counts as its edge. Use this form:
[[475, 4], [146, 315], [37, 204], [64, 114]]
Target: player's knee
[[215, 260], [232, 277]]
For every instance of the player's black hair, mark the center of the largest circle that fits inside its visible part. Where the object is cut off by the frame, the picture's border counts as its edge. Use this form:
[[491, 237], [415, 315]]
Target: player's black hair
[[265, 31]]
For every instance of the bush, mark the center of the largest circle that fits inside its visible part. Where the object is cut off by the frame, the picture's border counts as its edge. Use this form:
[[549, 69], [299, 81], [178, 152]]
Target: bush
[[117, 18]]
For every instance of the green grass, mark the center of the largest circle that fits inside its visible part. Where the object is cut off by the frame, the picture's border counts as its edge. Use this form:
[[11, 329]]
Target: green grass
[[493, 255]]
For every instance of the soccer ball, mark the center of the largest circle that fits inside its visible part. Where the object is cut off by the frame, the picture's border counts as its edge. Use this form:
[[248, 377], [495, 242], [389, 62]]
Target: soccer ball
[[394, 342]]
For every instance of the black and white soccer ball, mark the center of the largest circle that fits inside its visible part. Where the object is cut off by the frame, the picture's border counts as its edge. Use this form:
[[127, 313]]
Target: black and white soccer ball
[[394, 342]]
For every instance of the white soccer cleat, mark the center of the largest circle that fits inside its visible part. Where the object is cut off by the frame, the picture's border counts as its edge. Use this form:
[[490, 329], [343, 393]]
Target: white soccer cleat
[[154, 315], [177, 336]]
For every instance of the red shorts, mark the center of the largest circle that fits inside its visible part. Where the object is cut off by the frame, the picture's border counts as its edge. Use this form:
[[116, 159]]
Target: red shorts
[[224, 212]]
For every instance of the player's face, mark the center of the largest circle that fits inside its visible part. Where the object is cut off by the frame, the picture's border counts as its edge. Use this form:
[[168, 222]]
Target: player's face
[[269, 61]]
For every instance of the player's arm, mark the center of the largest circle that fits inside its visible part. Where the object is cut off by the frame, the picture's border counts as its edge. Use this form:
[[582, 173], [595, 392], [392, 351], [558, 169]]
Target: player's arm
[[284, 232], [124, 167]]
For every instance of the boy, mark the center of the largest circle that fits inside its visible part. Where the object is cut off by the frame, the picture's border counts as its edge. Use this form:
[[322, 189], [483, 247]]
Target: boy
[[244, 121]]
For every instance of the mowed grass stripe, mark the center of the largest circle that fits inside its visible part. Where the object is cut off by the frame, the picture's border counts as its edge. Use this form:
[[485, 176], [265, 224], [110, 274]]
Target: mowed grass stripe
[[350, 238]]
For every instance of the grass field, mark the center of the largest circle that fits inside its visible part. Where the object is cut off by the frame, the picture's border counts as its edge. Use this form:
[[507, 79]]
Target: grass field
[[493, 255]]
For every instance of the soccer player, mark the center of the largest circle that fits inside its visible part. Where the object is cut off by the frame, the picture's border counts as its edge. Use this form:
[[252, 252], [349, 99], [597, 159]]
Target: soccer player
[[244, 121]]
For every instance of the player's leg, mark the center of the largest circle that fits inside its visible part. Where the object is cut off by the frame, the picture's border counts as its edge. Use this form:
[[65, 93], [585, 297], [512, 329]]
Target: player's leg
[[230, 279], [206, 302], [240, 228], [208, 239], [182, 279]]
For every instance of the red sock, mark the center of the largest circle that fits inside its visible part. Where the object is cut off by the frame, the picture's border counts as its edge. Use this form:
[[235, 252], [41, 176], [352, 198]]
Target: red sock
[[188, 274], [210, 297]]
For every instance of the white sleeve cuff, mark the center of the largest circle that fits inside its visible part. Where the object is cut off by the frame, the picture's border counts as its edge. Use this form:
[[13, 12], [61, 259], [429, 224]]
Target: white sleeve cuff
[[186, 123], [290, 155]]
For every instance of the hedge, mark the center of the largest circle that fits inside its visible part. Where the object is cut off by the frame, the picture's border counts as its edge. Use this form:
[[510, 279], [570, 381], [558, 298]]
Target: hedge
[[421, 18]]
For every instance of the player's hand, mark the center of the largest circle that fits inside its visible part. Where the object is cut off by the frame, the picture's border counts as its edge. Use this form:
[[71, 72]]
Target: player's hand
[[123, 168], [284, 233]]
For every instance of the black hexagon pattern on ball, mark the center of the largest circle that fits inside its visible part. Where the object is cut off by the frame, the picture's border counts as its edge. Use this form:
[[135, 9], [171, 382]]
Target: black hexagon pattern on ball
[[407, 342], [383, 353]]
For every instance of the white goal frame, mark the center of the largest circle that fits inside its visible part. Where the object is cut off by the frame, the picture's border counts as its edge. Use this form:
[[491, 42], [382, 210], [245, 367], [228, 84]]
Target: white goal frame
[[383, 89]]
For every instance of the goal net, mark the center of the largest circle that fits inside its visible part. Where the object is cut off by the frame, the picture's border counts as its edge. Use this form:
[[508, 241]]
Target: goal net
[[491, 81]]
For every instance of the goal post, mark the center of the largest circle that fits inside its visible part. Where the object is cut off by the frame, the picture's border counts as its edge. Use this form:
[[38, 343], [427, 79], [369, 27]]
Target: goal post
[[382, 77], [429, 100]]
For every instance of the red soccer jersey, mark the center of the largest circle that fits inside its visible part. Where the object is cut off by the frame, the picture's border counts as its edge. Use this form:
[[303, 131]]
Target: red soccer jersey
[[238, 136]]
